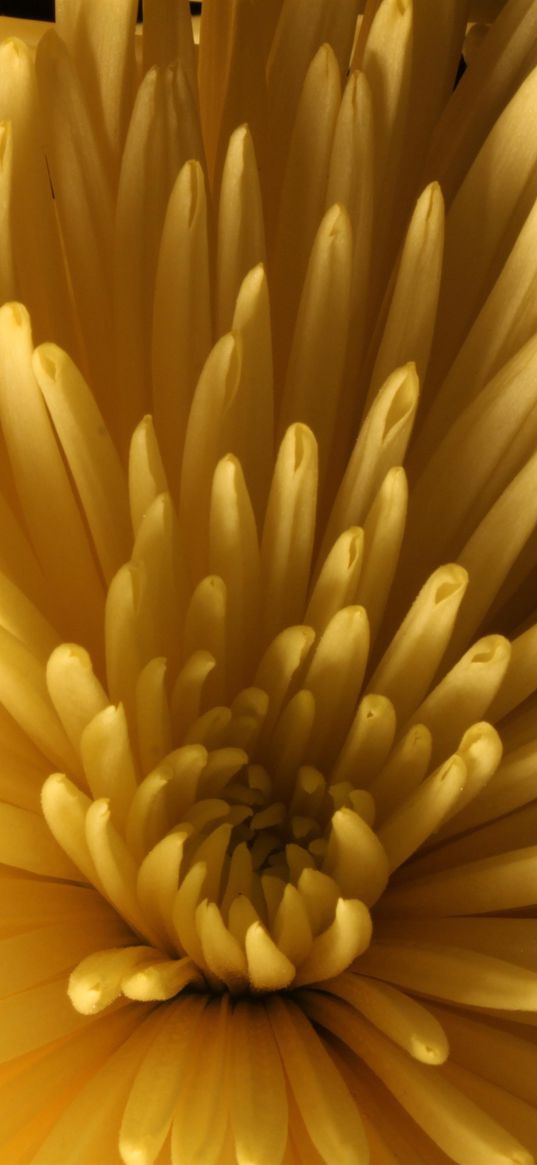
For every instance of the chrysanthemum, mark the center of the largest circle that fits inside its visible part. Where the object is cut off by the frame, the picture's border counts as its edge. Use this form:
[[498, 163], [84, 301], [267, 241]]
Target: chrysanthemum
[[268, 819]]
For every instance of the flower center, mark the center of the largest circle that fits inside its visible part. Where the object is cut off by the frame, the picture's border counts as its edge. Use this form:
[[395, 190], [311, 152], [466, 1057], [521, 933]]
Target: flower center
[[234, 872]]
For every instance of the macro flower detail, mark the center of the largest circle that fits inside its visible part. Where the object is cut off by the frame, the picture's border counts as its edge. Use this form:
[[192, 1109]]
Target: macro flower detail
[[268, 511]]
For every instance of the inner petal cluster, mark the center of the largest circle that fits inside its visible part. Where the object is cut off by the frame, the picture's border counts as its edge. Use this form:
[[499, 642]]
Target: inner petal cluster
[[233, 872]]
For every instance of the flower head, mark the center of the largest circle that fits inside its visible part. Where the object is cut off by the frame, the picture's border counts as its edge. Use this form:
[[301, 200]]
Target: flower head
[[267, 657]]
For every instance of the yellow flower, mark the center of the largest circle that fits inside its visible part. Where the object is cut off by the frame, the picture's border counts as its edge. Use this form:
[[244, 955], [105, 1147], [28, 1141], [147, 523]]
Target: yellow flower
[[268, 824]]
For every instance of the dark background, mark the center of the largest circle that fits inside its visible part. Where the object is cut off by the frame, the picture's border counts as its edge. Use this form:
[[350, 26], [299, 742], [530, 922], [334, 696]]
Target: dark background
[[44, 9], [32, 9]]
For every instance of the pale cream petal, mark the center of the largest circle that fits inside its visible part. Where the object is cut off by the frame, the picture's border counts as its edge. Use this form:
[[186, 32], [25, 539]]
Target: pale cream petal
[[160, 979], [97, 981], [187, 692], [206, 440], [405, 769], [452, 973], [182, 323], [158, 552], [511, 786], [64, 808], [18, 559], [489, 555], [463, 696], [59, 1074], [502, 882], [325, 1105], [505, 323], [411, 314], [368, 742], [251, 416], [74, 689], [24, 695], [210, 729], [290, 738], [205, 627], [153, 720], [83, 199], [7, 275], [355, 858], [481, 752], [492, 1053], [108, 760], [380, 445], [334, 677], [244, 99], [419, 816], [77, 1138], [334, 949], [234, 556], [26, 844], [383, 529], [351, 182], [258, 1099], [487, 90], [105, 64], [20, 782], [269, 969], [302, 202], [22, 619], [408, 1023], [124, 659], [338, 579], [147, 479], [490, 935], [163, 134], [500, 421], [42, 284], [42, 482], [115, 866], [158, 878], [27, 902], [437, 34], [223, 952], [199, 1123], [289, 522], [517, 1117], [90, 453], [212, 72], [467, 1134], [384, 53], [241, 242], [520, 680], [248, 712], [40, 955], [300, 33], [187, 899], [279, 664], [406, 669], [508, 153], [313, 381], [168, 34], [291, 927], [36, 1017]]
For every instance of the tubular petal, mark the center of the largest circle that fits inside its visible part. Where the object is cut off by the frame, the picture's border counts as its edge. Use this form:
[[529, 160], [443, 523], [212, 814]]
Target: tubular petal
[[258, 1111], [97, 981], [464, 1131], [145, 1125], [410, 1025], [334, 949], [325, 1105]]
